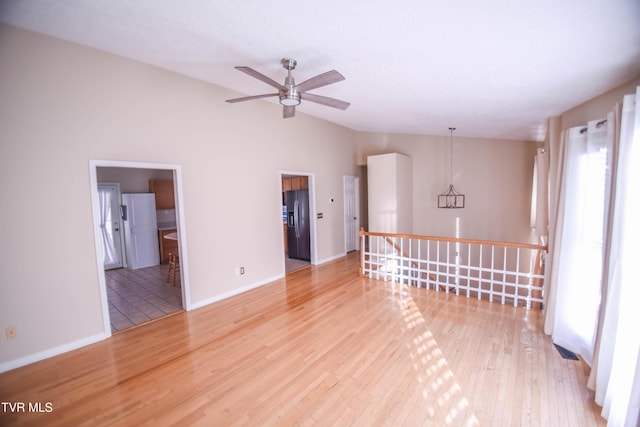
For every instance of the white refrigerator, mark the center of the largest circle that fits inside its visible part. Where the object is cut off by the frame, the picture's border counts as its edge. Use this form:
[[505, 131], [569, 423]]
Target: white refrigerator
[[140, 230]]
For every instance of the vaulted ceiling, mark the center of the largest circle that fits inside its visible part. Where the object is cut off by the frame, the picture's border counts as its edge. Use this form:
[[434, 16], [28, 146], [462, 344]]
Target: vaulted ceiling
[[492, 68]]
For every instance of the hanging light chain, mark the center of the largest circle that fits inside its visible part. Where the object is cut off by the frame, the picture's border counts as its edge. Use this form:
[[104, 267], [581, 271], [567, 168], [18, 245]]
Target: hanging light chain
[[451, 156]]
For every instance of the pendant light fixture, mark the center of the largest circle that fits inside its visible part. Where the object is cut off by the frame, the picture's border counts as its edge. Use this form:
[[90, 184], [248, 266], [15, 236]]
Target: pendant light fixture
[[451, 199]]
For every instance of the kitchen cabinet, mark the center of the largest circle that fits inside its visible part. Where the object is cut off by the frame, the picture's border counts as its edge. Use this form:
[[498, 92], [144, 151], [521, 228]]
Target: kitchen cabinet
[[304, 182], [294, 183], [166, 245], [163, 189]]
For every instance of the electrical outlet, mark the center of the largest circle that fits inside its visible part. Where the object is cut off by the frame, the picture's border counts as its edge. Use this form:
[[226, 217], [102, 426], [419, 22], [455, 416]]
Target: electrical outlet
[[241, 271], [10, 332]]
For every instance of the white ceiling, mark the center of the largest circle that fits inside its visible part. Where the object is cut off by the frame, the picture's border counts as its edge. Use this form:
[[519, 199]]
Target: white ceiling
[[492, 68]]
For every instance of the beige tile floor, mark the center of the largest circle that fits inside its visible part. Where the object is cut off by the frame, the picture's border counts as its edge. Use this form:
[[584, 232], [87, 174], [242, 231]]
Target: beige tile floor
[[138, 296]]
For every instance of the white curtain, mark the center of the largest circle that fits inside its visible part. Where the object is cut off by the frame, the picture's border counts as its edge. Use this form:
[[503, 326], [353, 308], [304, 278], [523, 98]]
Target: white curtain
[[616, 370], [105, 199], [593, 290], [578, 242]]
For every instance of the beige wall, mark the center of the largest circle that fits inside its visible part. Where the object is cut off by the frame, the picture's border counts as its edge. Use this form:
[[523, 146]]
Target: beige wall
[[63, 105], [494, 175]]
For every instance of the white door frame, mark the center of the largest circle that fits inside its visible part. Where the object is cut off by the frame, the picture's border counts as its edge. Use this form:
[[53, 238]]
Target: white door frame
[[182, 235], [356, 203], [312, 214]]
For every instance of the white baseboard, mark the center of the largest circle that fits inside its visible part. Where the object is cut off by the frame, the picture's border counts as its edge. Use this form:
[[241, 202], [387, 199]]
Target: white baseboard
[[234, 292], [55, 351]]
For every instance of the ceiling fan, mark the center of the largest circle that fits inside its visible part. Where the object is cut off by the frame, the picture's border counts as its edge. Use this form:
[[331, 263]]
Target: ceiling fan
[[291, 94]]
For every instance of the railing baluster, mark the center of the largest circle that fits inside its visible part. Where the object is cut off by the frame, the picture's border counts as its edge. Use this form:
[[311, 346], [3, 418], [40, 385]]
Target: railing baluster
[[493, 250], [458, 258], [419, 272], [480, 271], [437, 266], [530, 277], [468, 269], [400, 265], [448, 267], [378, 258], [517, 278], [504, 273], [428, 264]]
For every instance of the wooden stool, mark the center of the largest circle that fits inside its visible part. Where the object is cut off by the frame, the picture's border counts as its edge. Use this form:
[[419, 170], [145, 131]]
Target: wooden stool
[[174, 265]]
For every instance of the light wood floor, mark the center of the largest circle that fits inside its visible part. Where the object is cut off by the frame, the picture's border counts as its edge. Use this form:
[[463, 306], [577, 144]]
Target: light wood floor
[[320, 347]]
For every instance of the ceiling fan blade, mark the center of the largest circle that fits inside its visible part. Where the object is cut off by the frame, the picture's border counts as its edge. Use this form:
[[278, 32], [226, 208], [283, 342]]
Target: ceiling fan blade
[[325, 100], [249, 98], [288, 112], [320, 80], [261, 77]]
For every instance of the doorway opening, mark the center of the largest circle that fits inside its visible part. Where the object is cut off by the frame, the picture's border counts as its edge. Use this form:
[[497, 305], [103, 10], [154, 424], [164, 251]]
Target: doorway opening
[[135, 286], [298, 223]]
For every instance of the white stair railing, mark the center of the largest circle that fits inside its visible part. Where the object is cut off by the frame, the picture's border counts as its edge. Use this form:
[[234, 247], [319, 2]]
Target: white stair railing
[[508, 273]]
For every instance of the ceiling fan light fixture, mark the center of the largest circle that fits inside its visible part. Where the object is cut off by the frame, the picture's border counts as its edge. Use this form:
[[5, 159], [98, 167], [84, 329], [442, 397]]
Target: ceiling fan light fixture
[[290, 99], [290, 94]]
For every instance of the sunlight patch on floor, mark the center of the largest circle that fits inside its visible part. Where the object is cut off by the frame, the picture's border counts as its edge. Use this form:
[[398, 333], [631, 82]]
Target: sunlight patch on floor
[[441, 391]]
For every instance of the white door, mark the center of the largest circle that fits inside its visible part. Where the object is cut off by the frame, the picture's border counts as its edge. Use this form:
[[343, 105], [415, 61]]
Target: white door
[[351, 209], [110, 225], [141, 230]]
